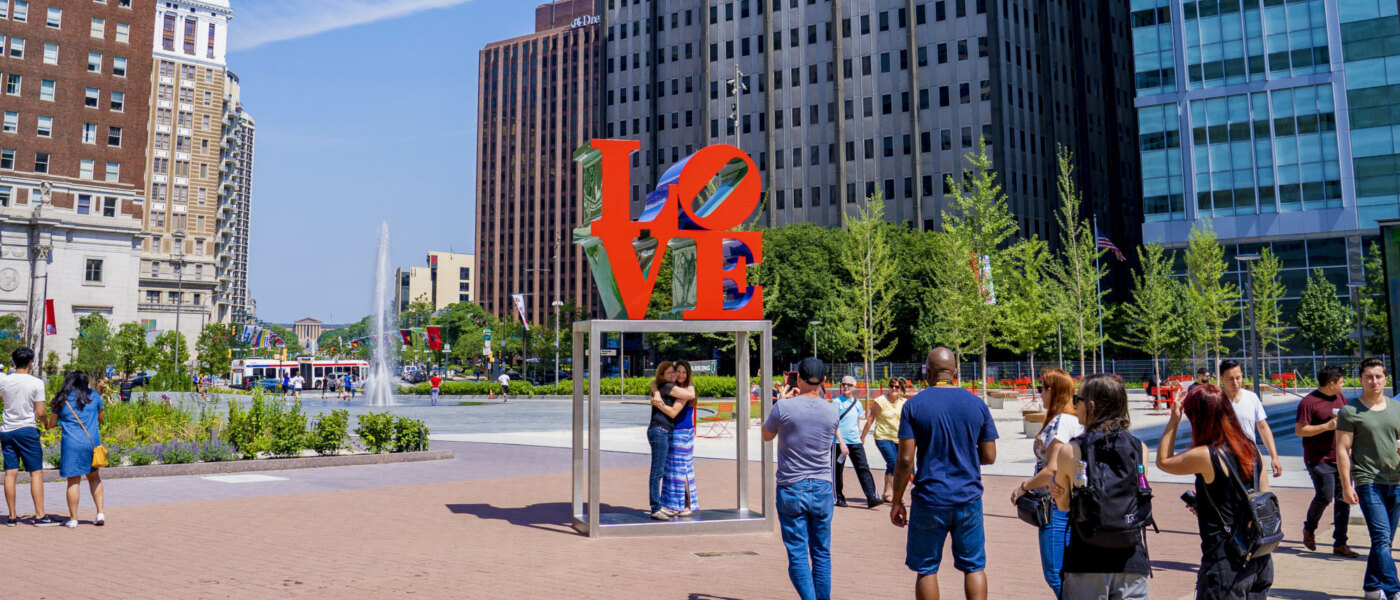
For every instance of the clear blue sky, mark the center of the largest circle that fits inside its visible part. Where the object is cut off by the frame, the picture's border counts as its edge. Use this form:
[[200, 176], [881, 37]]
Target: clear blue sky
[[365, 111]]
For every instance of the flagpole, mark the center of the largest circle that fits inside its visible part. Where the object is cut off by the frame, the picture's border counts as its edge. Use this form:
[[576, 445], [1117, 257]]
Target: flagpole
[[1098, 286]]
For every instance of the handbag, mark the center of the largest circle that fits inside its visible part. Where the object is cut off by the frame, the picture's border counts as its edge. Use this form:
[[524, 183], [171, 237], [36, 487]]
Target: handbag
[[1035, 508], [99, 452], [1258, 526]]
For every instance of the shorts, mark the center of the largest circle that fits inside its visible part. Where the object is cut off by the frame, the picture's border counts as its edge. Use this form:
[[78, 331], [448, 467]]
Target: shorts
[[930, 527], [22, 445]]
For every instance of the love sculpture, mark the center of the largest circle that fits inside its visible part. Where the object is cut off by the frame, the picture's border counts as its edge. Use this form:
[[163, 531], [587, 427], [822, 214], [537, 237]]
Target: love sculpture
[[695, 214], [691, 213]]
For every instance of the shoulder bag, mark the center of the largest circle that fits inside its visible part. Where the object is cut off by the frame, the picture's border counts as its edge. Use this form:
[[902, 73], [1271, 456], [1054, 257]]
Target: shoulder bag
[[99, 452]]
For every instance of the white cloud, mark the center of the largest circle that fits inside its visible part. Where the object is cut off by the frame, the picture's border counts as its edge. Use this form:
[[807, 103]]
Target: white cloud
[[266, 21]]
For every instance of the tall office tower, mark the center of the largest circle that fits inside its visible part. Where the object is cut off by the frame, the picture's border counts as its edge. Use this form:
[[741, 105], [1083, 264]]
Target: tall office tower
[[839, 99], [73, 93], [179, 278], [538, 97], [233, 303], [445, 281], [1271, 123]]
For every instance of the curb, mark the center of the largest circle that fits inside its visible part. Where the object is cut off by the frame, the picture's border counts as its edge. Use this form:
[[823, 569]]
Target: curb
[[264, 464]]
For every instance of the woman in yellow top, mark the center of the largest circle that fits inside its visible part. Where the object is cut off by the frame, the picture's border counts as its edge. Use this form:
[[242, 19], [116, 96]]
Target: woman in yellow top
[[884, 416]]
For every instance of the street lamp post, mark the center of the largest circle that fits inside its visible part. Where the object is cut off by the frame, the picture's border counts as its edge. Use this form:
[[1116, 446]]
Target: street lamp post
[[557, 304], [179, 264], [1355, 288], [1247, 262], [814, 325]]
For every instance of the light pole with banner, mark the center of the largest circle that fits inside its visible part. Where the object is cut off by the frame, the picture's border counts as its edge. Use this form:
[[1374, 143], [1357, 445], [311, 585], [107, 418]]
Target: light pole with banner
[[557, 304], [1355, 288], [179, 264]]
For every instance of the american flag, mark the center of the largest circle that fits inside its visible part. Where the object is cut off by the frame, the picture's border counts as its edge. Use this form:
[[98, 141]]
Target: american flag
[[1103, 243]]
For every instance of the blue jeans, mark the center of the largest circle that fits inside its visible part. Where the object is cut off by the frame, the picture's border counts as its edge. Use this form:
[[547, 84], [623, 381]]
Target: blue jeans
[[660, 440], [804, 513], [1054, 538], [1380, 504]]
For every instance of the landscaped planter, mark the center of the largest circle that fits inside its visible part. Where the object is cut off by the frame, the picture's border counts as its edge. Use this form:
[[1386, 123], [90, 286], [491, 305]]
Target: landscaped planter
[[997, 398], [1033, 421], [263, 464]]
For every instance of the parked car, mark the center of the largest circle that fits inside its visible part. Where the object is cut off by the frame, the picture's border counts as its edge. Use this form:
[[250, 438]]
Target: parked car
[[548, 376], [416, 377], [140, 380], [266, 383]]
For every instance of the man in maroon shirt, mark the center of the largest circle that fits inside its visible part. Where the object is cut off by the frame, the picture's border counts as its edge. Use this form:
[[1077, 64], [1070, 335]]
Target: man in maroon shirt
[[1316, 426]]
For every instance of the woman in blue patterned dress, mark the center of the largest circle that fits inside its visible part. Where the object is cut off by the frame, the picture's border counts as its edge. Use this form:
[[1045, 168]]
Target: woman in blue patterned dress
[[679, 494], [78, 410]]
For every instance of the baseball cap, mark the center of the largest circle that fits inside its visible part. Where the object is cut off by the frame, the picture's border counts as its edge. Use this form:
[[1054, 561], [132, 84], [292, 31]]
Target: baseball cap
[[848, 380], [811, 370]]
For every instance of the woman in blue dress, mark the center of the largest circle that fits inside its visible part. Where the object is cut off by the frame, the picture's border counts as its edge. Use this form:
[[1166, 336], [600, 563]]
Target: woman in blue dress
[[679, 494], [78, 410]]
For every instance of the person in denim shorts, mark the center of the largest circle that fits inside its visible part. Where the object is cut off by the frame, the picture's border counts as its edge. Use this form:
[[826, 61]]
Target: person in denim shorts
[[949, 432]]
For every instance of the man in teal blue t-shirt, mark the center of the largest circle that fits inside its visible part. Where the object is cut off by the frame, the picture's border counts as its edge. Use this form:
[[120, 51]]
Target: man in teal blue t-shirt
[[849, 431]]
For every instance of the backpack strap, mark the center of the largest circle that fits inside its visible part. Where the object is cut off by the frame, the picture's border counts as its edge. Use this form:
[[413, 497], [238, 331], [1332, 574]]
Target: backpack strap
[[1229, 527]]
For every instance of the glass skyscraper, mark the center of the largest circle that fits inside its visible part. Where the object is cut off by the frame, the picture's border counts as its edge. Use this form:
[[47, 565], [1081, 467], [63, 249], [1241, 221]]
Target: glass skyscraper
[[1274, 122]]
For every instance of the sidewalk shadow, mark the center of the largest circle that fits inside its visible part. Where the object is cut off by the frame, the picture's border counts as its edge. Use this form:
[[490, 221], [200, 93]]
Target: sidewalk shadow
[[709, 597], [1303, 595], [1171, 565], [545, 516]]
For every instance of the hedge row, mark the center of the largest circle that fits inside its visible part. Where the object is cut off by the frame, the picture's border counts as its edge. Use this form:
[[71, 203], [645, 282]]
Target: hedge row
[[706, 386]]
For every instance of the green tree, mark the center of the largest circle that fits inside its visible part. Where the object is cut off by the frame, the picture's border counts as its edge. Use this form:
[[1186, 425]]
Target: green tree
[[213, 350], [1077, 271], [1026, 319], [93, 347], [868, 261], [1322, 320], [129, 343], [979, 219], [1152, 308], [1183, 332], [417, 313], [1375, 303], [171, 353], [11, 336], [1214, 298], [1268, 309], [51, 364], [953, 300], [289, 338], [803, 280]]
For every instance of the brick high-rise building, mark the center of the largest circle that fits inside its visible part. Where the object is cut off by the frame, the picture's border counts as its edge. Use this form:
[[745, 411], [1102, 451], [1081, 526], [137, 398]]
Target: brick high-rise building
[[74, 90], [538, 102], [188, 166]]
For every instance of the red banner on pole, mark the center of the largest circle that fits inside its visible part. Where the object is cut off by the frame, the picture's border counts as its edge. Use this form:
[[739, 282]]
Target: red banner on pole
[[50, 325], [434, 337], [407, 336]]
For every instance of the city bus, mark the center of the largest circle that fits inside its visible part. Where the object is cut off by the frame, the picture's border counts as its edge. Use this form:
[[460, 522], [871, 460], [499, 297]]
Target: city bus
[[314, 370], [253, 369]]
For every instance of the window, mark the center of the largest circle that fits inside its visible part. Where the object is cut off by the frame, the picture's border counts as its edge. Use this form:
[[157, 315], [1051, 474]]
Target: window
[[89, 133], [119, 67], [84, 172], [45, 126], [17, 47], [21, 11], [93, 272], [46, 87], [109, 207], [50, 54], [99, 28], [41, 162], [11, 122], [90, 99], [118, 101], [12, 84], [94, 62], [114, 171], [84, 205], [155, 272], [114, 137], [55, 18], [168, 33], [7, 159], [123, 33], [4, 195]]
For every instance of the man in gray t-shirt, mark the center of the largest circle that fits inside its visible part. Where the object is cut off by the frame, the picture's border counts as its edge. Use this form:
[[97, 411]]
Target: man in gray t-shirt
[[804, 426]]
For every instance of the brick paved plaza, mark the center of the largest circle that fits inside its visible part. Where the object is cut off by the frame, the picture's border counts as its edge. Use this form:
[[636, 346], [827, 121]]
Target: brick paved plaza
[[492, 524]]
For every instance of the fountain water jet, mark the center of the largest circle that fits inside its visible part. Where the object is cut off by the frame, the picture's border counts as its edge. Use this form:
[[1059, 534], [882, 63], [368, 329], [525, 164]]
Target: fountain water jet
[[379, 386]]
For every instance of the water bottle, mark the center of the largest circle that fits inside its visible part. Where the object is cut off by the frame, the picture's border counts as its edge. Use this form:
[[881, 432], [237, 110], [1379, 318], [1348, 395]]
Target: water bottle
[[1081, 479], [1142, 477]]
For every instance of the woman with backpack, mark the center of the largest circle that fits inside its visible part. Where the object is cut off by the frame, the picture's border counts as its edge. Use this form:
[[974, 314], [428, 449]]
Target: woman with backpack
[[1107, 553], [1061, 425], [1226, 465]]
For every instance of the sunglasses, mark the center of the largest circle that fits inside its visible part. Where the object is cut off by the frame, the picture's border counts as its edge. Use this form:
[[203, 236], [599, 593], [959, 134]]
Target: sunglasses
[[1078, 398]]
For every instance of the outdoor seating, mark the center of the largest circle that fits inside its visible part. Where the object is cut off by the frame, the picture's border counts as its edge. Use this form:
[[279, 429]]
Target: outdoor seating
[[716, 424]]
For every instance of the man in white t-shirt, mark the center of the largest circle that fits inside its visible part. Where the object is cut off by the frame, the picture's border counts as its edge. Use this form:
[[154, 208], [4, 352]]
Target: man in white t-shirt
[[1249, 410], [297, 382], [504, 380], [19, 436]]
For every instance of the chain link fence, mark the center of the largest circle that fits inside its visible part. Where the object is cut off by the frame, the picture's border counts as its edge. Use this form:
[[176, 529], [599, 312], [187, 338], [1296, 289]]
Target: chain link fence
[[1304, 368]]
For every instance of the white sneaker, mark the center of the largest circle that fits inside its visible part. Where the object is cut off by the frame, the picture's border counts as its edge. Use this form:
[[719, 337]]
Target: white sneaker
[[1376, 594], [101, 519], [71, 524]]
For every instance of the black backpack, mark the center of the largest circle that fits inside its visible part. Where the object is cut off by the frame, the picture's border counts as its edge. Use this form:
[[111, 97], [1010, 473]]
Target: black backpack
[[1258, 526], [1111, 510]]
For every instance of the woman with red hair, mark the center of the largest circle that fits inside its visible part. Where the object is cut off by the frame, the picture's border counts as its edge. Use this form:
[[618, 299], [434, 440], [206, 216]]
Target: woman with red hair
[[1061, 425], [1219, 451]]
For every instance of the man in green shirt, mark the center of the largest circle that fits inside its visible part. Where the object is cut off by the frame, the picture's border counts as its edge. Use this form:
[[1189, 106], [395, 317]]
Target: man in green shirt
[[1368, 460]]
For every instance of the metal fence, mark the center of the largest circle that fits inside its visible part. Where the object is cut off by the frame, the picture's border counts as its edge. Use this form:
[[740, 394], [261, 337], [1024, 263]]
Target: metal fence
[[1303, 367]]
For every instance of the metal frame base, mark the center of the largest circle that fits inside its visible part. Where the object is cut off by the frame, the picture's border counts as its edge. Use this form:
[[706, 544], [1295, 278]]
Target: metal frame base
[[587, 483]]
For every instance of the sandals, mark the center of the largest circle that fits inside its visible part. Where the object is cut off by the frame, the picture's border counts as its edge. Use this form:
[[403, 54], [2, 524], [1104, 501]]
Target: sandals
[[11, 522]]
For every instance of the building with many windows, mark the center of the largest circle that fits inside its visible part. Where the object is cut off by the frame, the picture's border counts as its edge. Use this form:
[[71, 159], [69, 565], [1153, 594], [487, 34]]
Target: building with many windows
[[180, 277], [446, 280], [74, 88], [235, 209], [538, 102], [837, 100], [1272, 123]]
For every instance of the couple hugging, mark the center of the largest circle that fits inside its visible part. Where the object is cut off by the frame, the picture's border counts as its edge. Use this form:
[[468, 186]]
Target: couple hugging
[[672, 438]]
